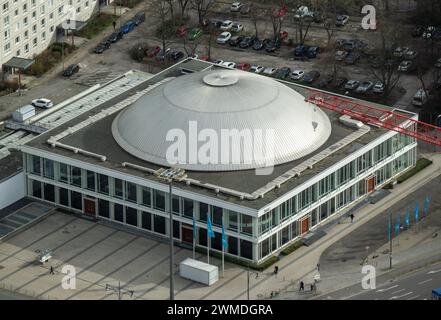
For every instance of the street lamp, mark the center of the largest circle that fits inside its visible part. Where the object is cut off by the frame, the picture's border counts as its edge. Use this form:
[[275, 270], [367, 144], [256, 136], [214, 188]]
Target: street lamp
[[119, 291], [170, 175]]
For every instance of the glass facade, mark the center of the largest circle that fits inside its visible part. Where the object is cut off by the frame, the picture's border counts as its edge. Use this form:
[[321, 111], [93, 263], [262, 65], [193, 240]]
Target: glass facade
[[248, 237]]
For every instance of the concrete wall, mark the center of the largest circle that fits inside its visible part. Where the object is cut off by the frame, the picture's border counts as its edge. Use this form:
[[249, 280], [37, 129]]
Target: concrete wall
[[12, 189]]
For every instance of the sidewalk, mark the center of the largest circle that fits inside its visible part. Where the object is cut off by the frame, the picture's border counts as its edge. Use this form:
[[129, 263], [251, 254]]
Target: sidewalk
[[301, 265]]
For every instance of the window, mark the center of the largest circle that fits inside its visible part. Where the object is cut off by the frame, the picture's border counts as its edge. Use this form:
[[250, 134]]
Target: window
[[246, 224], [146, 197], [26, 47], [76, 176], [5, 6], [78, 9], [131, 216], [131, 192], [264, 248], [17, 53], [246, 249], [6, 34], [159, 224], [49, 192], [103, 208], [294, 230], [42, 22], [63, 195], [159, 197], [33, 2], [35, 165], [25, 21], [7, 47], [64, 173], [217, 216], [43, 36], [17, 40], [118, 212], [103, 184], [76, 200], [118, 188], [176, 229], [284, 235], [16, 12], [34, 15], [34, 42], [175, 205], [52, 29], [203, 211], [51, 16], [34, 29], [36, 188], [6, 21], [216, 242], [25, 8], [188, 208], [60, 10], [233, 220], [232, 245], [48, 168], [146, 220], [42, 9]]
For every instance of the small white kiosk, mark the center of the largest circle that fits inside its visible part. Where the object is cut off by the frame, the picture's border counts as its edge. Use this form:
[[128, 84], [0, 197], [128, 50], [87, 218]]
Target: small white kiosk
[[199, 271]]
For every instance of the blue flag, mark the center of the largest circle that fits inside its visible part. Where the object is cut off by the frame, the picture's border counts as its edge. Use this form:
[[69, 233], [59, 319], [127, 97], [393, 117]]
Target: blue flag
[[194, 228], [390, 231], [210, 227], [397, 226], [426, 205], [415, 212], [407, 218], [224, 238]]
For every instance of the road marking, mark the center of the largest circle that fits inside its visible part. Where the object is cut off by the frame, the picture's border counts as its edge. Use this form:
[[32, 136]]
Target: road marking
[[398, 291], [411, 298], [424, 281], [383, 290], [403, 295], [434, 271]]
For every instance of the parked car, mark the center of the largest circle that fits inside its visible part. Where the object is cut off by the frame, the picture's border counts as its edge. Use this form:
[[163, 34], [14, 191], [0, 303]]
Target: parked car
[[101, 47], [257, 69], [273, 45], [176, 55], [224, 37], [283, 35], [312, 52], [399, 52], [42, 103], [218, 61], [283, 73], [128, 26], [71, 70], [341, 20], [353, 44], [235, 41], [341, 55], [163, 54], [297, 74], [410, 55], [318, 17], [352, 57], [418, 31], [245, 9], [195, 33], [258, 44], [182, 31], [339, 82], [139, 17], [269, 71], [243, 66], [237, 27], [236, 6], [311, 76], [406, 66], [326, 81], [216, 23], [226, 25], [420, 98], [152, 52], [365, 87], [438, 63], [114, 37], [352, 84], [229, 64], [247, 42], [378, 87], [300, 51], [303, 12]]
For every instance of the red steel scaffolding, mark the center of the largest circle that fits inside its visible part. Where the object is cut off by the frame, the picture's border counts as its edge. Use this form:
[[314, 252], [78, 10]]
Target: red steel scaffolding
[[390, 120]]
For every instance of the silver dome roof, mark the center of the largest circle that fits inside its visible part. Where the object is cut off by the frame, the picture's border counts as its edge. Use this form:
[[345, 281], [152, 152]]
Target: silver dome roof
[[222, 100]]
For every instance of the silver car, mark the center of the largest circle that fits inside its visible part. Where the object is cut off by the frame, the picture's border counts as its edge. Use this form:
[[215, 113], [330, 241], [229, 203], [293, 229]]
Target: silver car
[[352, 84]]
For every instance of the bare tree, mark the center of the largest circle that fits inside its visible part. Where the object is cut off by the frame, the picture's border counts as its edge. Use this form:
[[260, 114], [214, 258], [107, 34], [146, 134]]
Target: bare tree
[[276, 21], [182, 7], [162, 12], [202, 7], [256, 15]]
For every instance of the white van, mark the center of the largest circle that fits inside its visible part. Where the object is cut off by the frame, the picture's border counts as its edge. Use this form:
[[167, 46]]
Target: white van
[[420, 98]]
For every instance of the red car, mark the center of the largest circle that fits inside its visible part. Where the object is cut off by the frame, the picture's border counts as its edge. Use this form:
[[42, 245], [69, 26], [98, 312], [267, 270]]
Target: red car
[[152, 52], [181, 31], [283, 35], [204, 58], [244, 66]]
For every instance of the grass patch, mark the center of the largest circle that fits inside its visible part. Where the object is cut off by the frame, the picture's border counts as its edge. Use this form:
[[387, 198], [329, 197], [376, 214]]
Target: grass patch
[[291, 248], [420, 165], [97, 24], [255, 266], [49, 58]]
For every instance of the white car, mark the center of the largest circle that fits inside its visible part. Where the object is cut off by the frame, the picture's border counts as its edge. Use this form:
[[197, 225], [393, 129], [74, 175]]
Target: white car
[[226, 25], [420, 98], [341, 20], [297, 74], [269, 71], [303, 12], [364, 87], [224, 37], [236, 6], [352, 84], [378, 87], [42, 103], [236, 27], [218, 61], [257, 69], [229, 64]]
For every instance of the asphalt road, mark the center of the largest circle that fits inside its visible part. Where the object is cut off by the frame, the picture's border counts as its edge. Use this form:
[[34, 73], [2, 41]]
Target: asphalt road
[[414, 286], [8, 295]]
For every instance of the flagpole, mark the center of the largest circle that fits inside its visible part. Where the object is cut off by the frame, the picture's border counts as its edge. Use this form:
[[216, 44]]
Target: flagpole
[[194, 248], [223, 266], [208, 247], [390, 240]]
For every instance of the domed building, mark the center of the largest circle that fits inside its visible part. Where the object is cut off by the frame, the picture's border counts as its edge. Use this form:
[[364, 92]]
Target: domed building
[[246, 150]]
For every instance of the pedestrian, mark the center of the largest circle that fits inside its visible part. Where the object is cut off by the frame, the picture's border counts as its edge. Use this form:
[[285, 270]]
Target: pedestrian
[[302, 286], [312, 287], [114, 25], [352, 217], [276, 270], [52, 270], [318, 266]]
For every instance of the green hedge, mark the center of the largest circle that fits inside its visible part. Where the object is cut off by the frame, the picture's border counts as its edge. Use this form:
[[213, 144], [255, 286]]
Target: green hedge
[[292, 247], [258, 267], [420, 165], [97, 24]]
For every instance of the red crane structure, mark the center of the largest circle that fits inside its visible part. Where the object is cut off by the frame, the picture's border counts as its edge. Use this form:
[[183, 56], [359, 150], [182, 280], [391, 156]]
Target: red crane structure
[[391, 120]]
